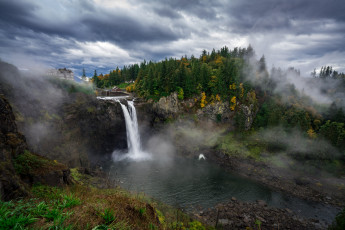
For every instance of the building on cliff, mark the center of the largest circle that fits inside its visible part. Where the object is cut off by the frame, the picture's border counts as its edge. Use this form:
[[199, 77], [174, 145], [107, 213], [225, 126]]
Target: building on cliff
[[62, 73]]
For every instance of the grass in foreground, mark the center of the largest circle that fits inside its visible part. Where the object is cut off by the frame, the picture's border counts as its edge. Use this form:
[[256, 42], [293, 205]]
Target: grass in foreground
[[81, 207]]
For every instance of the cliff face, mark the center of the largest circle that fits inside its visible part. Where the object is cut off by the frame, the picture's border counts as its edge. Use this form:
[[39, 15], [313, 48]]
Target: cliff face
[[12, 144], [98, 125], [19, 168]]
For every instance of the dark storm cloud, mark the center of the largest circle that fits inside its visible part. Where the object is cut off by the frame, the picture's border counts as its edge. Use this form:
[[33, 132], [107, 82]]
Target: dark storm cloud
[[271, 14], [81, 31], [97, 25], [125, 30], [16, 12], [166, 12]]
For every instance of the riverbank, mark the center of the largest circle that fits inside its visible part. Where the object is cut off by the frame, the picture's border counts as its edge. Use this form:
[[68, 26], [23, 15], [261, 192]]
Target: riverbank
[[256, 215]]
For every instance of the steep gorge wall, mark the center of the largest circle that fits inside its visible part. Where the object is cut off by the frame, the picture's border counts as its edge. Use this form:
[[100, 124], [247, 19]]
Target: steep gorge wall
[[12, 144], [19, 168]]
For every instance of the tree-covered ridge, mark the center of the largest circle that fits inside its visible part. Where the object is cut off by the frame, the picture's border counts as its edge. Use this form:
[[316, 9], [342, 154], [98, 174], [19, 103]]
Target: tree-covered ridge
[[237, 77], [219, 73]]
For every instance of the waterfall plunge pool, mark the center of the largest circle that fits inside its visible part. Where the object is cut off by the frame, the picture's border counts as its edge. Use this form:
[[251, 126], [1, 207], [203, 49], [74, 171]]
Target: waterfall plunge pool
[[191, 184]]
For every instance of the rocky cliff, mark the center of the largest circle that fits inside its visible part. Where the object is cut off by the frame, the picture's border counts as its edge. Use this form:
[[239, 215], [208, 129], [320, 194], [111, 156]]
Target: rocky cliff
[[12, 144], [168, 108], [18, 167]]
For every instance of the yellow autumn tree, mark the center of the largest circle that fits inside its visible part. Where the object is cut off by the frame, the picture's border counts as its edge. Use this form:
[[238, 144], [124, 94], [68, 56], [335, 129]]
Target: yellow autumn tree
[[241, 90], [219, 60], [232, 86], [204, 58], [212, 99], [203, 101], [233, 103], [218, 98], [130, 88], [311, 133]]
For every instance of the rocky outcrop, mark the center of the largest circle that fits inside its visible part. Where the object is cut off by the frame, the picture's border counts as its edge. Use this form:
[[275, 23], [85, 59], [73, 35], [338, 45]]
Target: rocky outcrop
[[217, 112], [249, 113], [167, 107]]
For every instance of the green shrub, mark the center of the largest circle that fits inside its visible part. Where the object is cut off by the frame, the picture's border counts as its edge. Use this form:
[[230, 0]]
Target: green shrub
[[108, 215], [339, 222], [53, 214], [195, 225], [180, 93], [70, 201], [142, 211]]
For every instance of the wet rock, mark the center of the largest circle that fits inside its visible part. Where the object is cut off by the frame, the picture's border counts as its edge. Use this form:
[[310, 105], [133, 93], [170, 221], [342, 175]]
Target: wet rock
[[288, 210], [301, 181], [223, 221], [261, 202], [246, 219], [245, 215]]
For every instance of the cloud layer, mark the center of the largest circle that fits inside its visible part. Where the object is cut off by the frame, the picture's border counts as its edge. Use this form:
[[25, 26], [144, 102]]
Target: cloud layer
[[103, 34]]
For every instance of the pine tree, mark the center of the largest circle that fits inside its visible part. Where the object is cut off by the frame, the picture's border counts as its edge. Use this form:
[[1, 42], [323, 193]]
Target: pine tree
[[84, 75], [95, 79]]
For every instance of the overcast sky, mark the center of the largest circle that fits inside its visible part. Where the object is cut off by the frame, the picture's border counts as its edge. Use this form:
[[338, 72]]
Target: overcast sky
[[103, 34]]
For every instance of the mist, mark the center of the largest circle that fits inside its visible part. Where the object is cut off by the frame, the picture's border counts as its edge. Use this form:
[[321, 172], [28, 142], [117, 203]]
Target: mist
[[290, 85], [38, 102]]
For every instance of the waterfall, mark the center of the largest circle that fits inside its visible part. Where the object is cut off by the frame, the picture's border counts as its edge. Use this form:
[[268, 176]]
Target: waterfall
[[133, 137]]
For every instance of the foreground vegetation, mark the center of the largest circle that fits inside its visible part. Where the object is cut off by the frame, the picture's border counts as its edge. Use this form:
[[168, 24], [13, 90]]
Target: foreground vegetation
[[81, 207]]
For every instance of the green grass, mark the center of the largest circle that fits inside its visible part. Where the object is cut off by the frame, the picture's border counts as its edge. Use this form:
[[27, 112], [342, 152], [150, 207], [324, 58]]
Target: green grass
[[123, 85], [228, 144], [108, 215], [29, 163]]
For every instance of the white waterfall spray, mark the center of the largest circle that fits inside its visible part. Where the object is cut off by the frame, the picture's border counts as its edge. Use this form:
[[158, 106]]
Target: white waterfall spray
[[133, 137]]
